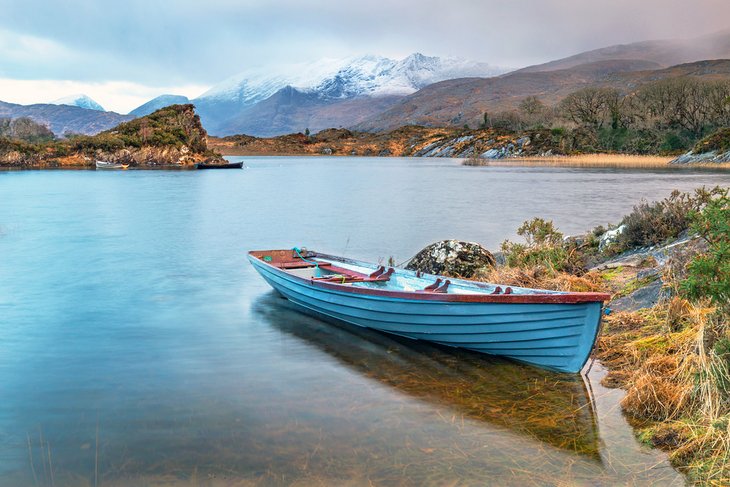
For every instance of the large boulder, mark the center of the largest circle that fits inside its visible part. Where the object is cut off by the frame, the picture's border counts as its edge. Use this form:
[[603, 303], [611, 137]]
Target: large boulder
[[453, 258]]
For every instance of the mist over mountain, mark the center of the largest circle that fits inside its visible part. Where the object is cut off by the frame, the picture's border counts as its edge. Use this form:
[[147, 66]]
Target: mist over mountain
[[664, 52], [319, 89]]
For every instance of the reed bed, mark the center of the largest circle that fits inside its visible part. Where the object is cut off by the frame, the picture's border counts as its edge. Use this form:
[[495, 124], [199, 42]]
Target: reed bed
[[601, 159], [586, 160]]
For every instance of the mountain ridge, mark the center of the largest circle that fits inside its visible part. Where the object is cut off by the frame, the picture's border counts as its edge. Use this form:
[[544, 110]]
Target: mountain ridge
[[666, 52], [429, 106], [158, 102], [225, 108], [62, 119]]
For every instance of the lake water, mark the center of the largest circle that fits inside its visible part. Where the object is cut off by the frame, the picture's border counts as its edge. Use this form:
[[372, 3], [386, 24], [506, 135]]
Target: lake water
[[138, 347]]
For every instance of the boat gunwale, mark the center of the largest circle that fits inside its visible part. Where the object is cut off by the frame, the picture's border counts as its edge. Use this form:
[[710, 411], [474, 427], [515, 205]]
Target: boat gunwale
[[537, 298]]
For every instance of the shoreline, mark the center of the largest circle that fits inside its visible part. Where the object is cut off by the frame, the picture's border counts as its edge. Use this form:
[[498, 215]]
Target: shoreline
[[628, 161], [593, 160]]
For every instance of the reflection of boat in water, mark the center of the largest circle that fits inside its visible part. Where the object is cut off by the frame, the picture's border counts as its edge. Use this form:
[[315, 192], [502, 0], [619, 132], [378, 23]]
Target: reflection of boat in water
[[551, 407]]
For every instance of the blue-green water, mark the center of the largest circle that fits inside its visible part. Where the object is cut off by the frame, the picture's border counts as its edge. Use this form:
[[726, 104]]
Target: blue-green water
[[137, 346]]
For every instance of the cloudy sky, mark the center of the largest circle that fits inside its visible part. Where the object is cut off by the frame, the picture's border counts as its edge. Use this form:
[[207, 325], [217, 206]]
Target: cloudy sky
[[125, 52]]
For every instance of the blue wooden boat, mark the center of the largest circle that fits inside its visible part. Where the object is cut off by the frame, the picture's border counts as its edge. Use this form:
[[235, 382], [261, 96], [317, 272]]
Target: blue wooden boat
[[550, 329]]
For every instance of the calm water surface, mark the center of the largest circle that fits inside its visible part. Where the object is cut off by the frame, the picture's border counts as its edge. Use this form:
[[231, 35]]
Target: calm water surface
[[138, 347]]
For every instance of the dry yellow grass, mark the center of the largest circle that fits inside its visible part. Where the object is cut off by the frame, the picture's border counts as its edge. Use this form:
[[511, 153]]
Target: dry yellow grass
[[591, 160], [674, 379], [542, 278]]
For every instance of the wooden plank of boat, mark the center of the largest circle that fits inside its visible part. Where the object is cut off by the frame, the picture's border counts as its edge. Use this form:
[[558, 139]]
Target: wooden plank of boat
[[230, 165], [550, 329], [110, 165]]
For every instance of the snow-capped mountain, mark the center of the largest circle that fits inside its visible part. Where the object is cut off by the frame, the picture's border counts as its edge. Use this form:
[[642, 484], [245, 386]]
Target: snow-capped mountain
[[379, 76], [271, 101], [156, 103], [79, 100], [347, 78]]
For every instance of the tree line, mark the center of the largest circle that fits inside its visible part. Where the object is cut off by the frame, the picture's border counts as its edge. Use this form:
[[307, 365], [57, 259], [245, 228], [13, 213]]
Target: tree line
[[667, 114]]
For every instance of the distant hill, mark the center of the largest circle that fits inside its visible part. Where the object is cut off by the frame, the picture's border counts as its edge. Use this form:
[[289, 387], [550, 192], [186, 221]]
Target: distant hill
[[63, 119], [290, 110], [464, 101], [665, 53], [161, 101], [79, 100]]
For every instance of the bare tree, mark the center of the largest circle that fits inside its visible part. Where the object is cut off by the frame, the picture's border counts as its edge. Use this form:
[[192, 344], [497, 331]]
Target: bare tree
[[681, 102], [592, 106], [532, 106]]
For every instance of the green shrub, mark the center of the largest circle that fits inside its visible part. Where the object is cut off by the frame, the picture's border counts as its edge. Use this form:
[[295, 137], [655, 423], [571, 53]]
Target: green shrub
[[673, 142], [557, 131], [708, 274], [656, 222], [543, 247], [718, 141]]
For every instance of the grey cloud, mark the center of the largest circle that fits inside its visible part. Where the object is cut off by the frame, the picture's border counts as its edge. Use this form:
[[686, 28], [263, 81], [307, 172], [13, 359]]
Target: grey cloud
[[203, 42]]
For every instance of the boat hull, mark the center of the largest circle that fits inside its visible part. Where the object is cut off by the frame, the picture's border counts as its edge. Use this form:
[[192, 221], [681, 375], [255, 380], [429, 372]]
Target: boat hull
[[110, 165], [230, 165], [552, 335]]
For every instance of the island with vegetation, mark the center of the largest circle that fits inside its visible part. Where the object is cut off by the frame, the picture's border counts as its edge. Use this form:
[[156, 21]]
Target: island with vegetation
[[170, 137]]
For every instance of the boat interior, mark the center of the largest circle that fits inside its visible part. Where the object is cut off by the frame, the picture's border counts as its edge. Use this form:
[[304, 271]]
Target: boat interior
[[337, 270]]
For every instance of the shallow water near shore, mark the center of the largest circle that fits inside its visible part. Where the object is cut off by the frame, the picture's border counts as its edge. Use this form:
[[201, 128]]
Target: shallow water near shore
[[138, 347]]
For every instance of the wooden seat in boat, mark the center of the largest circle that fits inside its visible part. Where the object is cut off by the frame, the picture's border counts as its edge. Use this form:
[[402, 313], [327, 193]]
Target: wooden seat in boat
[[300, 264], [444, 288], [346, 276], [434, 286]]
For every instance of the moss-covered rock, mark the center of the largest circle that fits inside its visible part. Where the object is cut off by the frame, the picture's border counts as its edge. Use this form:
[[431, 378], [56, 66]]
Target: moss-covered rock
[[453, 258]]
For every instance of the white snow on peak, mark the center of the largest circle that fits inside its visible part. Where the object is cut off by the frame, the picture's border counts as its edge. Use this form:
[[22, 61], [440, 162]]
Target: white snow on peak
[[78, 100], [367, 75]]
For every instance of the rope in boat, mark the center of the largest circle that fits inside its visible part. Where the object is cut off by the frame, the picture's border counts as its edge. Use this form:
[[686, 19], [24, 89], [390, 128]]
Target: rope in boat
[[299, 254]]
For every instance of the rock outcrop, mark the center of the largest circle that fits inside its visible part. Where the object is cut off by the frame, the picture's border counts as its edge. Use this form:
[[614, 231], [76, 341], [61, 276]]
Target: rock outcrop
[[712, 157], [453, 258], [713, 149]]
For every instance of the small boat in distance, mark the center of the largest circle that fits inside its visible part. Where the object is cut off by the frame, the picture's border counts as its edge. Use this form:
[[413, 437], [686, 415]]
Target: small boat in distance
[[550, 329], [229, 165], [110, 165]]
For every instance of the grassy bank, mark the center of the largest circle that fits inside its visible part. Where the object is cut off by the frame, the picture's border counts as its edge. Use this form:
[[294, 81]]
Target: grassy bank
[[671, 354]]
